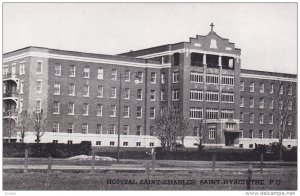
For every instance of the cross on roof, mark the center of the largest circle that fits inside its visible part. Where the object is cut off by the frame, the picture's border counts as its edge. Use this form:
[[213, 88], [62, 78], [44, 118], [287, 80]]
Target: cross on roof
[[212, 26]]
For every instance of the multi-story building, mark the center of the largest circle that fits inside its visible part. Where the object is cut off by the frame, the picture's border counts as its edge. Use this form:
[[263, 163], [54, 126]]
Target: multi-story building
[[90, 97]]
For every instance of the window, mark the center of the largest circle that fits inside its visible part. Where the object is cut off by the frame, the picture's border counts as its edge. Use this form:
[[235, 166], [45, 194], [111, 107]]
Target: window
[[126, 130], [152, 95], [175, 95], [163, 79], [151, 130], [100, 91], [261, 87], [139, 94], [39, 68], [290, 106], [290, 120], [241, 134], [111, 143], [38, 86], [38, 106], [86, 90], [56, 88], [138, 130], [98, 143], [241, 117], [55, 128], [211, 133], [211, 113], [227, 114], [242, 103], [260, 134], [251, 102], [126, 112], [212, 79], [113, 110], [272, 88], [127, 76], [271, 134], [21, 105], [261, 118], [290, 90], [196, 77], [55, 141], [57, 70], [72, 72], [176, 59], [162, 95], [228, 80], [175, 77], [250, 134], [280, 104], [151, 144], [139, 112], [261, 103], [100, 74], [72, 89], [56, 107], [271, 103], [85, 109], [251, 118], [212, 96], [127, 93], [21, 87], [70, 127], [252, 87], [125, 143], [242, 86], [22, 68], [196, 95], [230, 126], [99, 109], [250, 145], [71, 108], [196, 113], [138, 144], [114, 73], [86, 72], [152, 112], [85, 128], [112, 129], [113, 92], [227, 97], [153, 77], [271, 119], [99, 129], [139, 76], [281, 89]]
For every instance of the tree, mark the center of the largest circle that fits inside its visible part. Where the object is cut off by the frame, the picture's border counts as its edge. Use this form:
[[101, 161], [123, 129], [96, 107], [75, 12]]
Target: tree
[[8, 128], [170, 126], [24, 124], [284, 100], [40, 124], [201, 133]]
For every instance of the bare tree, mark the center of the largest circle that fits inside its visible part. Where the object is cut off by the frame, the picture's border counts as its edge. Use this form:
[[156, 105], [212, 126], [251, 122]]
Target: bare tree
[[170, 126], [24, 124], [284, 100], [40, 124], [9, 128], [201, 130]]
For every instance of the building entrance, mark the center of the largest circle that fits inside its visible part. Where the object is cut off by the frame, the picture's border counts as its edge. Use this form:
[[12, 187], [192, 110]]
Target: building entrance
[[230, 138]]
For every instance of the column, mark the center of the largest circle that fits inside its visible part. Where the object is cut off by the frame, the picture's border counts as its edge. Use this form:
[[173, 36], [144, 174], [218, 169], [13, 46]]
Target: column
[[220, 61], [204, 59]]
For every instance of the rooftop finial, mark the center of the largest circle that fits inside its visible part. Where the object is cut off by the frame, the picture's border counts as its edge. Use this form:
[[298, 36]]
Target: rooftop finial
[[212, 26]]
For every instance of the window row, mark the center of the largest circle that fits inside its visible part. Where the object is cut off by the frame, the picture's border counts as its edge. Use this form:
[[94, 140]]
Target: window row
[[288, 104], [280, 89], [197, 113], [212, 96], [197, 77], [261, 117], [261, 134]]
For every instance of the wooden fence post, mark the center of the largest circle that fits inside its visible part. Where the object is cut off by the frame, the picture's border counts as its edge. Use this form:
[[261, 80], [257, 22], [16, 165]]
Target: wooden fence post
[[93, 162], [153, 162], [49, 165], [261, 163], [214, 161], [26, 161], [249, 177]]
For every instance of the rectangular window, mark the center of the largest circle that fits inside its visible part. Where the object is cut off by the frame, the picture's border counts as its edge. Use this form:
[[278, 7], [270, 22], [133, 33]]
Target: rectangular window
[[271, 119], [211, 113], [175, 95], [71, 108], [163, 78], [85, 109], [86, 90], [98, 143], [21, 87], [290, 90], [127, 76], [113, 92], [138, 130], [139, 94], [126, 130], [38, 86], [228, 80], [99, 129], [56, 88], [212, 96], [211, 133], [227, 97], [260, 134], [139, 112], [55, 127], [111, 143], [227, 114], [261, 118], [39, 68], [113, 110], [290, 120], [272, 88], [280, 103], [125, 143], [162, 95], [126, 111], [100, 74], [261, 103], [100, 91], [251, 102], [242, 103], [242, 86], [196, 95], [251, 118], [112, 129], [139, 76], [241, 117], [127, 93], [151, 131], [114, 74], [22, 68], [99, 109], [153, 77], [175, 77], [85, 128], [57, 70], [138, 144], [152, 95], [72, 89], [152, 112], [250, 134], [290, 105], [196, 113], [70, 127], [212, 79], [38, 106], [252, 87], [72, 72], [271, 103], [271, 134], [56, 107], [196, 77], [86, 72], [261, 87], [281, 89]]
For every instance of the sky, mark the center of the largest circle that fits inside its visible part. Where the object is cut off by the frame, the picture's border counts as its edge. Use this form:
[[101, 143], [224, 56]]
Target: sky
[[265, 32]]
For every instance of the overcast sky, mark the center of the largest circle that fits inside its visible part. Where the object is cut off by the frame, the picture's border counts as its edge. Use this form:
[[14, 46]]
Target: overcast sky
[[266, 33]]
